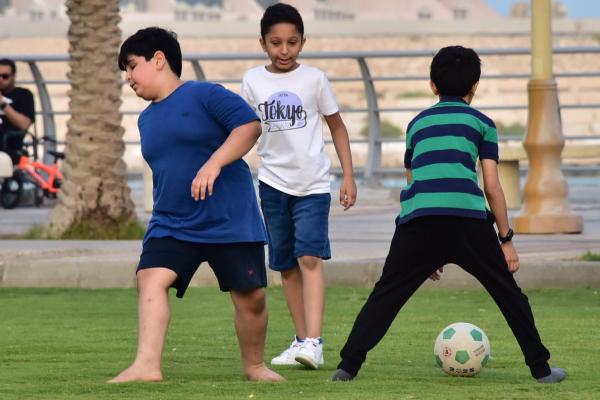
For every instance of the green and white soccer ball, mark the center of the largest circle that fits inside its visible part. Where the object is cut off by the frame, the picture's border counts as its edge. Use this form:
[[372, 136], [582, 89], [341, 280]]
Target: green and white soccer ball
[[461, 349]]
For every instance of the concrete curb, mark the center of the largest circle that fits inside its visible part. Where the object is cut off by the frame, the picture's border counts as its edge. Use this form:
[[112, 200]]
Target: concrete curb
[[96, 269], [531, 275]]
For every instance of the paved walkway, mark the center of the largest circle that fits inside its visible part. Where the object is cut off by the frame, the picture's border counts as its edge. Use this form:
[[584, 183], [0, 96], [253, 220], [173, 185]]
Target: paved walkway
[[360, 239]]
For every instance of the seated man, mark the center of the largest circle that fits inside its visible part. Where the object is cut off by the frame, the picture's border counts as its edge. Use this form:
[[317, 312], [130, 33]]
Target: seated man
[[16, 109]]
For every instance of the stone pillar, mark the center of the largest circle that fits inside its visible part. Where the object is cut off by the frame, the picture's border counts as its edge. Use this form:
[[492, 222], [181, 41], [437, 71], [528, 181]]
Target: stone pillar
[[508, 172], [545, 207]]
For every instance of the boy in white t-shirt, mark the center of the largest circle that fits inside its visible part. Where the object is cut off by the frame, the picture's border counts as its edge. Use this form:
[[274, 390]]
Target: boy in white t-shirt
[[291, 99]]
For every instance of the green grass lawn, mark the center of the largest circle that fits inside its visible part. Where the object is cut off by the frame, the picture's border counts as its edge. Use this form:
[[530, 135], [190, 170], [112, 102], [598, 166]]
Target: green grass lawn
[[64, 344]]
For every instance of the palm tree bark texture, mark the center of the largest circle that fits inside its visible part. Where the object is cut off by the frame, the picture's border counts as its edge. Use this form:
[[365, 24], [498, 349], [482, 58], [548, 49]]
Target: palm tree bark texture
[[95, 185]]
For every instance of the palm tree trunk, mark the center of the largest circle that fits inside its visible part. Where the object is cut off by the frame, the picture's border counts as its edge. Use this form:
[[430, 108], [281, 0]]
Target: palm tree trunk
[[95, 186]]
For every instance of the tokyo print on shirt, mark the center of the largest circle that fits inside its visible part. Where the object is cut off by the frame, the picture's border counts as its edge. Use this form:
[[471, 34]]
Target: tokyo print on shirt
[[282, 111], [291, 148]]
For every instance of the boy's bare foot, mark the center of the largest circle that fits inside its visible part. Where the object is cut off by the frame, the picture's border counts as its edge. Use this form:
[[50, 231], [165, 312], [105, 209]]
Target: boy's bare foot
[[261, 373], [137, 374]]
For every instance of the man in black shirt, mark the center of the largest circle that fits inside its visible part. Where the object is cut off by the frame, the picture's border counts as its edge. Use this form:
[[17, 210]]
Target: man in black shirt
[[16, 108]]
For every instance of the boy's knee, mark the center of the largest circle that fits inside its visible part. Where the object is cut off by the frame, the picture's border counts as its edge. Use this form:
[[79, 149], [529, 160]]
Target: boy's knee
[[310, 262], [291, 274], [253, 301], [155, 278]]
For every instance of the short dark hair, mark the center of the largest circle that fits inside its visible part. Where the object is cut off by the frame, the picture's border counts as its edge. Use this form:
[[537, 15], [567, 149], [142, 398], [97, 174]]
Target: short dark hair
[[280, 13], [146, 42], [10, 63], [454, 70]]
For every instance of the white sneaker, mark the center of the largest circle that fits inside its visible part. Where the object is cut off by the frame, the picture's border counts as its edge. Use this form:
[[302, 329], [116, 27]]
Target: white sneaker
[[310, 353], [287, 357]]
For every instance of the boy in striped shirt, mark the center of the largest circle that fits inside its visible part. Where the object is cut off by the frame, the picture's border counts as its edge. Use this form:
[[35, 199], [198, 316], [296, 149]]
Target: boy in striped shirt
[[444, 219]]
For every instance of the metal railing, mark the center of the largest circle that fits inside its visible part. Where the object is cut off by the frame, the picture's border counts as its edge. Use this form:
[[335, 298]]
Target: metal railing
[[373, 110]]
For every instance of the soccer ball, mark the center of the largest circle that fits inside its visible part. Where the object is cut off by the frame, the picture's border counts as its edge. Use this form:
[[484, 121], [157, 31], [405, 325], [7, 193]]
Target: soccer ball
[[461, 349]]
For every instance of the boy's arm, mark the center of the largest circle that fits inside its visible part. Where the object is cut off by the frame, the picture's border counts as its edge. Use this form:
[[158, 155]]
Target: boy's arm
[[339, 134], [495, 197], [238, 143]]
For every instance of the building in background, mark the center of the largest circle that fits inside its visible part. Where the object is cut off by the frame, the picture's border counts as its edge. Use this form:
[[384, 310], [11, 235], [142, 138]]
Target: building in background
[[183, 14], [191, 10], [521, 9], [251, 10], [417, 10], [318, 10], [34, 10]]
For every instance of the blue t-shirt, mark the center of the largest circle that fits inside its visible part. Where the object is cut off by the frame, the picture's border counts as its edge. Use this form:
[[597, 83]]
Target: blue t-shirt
[[178, 135]]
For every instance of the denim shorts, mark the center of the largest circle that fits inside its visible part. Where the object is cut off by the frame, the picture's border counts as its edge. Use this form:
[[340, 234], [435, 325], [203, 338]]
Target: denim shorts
[[237, 266], [296, 225]]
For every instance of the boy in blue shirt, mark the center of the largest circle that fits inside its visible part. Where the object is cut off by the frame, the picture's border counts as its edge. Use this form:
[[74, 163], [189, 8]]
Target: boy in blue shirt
[[444, 219], [193, 135]]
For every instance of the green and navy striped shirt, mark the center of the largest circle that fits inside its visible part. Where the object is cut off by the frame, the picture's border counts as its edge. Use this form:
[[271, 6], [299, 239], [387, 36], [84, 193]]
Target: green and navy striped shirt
[[442, 146]]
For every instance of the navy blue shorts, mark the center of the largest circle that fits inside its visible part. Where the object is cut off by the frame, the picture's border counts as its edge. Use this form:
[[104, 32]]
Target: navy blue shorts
[[237, 266], [297, 226]]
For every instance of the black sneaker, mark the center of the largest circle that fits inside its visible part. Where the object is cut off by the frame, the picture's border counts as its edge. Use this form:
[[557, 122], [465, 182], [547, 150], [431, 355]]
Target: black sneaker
[[341, 375], [556, 375]]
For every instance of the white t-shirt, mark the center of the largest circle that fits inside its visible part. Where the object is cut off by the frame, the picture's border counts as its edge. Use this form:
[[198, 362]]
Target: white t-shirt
[[291, 147]]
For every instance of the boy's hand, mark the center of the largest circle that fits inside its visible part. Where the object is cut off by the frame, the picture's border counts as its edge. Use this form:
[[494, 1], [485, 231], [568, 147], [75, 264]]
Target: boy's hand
[[347, 192], [511, 257], [436, 276], [205, 179]]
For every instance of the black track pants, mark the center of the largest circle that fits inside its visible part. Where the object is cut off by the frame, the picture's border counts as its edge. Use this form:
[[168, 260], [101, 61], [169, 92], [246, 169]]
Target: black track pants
[[418, 248]]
